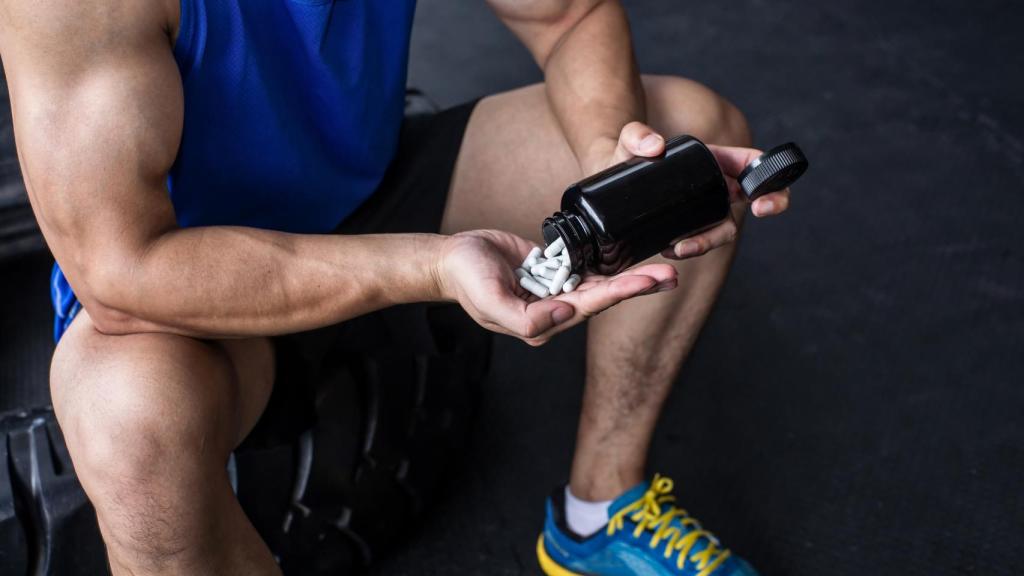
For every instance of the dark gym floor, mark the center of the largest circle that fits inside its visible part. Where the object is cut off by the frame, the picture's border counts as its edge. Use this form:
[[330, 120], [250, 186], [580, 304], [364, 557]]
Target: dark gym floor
[[855, 404]]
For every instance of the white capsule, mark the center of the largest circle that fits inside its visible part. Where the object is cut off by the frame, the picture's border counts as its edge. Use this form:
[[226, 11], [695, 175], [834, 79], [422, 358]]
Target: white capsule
[[535, 288], [548, 273], [546, 282], [566, 261], [571, 284], [553, 263], [520, 272], [554, 248], [560, 277], [536, 269], [533, 257]]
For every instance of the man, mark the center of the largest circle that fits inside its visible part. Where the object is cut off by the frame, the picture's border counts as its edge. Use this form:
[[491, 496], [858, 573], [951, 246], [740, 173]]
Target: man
[[213, 174]]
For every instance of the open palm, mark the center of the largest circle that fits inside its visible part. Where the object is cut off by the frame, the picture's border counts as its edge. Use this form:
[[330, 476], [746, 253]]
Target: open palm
[[477, 271]]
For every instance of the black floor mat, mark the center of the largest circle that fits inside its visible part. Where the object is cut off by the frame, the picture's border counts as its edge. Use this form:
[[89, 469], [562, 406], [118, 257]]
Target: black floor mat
[[856, 404]]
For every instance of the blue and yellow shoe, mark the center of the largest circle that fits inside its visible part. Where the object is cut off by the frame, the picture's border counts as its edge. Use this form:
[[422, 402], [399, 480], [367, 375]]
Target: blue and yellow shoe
[[646, 536]]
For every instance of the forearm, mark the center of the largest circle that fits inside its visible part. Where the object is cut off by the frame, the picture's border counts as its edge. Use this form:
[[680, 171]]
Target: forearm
[[593, 84], [234, 282]]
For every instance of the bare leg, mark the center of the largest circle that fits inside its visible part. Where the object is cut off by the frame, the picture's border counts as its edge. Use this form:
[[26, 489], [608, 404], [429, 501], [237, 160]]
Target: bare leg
[[512, 168], [150, 420]]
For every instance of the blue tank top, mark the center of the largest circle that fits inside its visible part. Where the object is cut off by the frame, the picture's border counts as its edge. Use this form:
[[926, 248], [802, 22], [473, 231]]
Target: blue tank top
[[292, 113]]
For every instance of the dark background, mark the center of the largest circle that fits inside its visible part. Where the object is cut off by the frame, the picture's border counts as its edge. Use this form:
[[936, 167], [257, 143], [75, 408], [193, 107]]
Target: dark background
[[855, 403]]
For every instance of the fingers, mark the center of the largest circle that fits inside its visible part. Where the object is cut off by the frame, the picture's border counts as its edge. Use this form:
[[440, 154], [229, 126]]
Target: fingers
[[638, 139], [514, 316], [548, 317], [771, 204], [704, 242], [601, 296], [733, 159]]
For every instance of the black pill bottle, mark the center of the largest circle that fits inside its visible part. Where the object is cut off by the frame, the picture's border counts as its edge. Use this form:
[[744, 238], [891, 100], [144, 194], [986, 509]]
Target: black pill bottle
[[634, 210]]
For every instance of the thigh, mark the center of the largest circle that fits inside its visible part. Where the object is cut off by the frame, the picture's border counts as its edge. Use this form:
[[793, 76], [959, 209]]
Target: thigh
[[515, 163], [213, 391]]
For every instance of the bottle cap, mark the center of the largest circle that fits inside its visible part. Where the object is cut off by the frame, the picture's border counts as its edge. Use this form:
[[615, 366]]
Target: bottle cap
[[772, 171]]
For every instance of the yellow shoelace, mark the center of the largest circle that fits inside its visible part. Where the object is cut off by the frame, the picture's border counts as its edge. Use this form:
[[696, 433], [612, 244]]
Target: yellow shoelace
[[655, 512]]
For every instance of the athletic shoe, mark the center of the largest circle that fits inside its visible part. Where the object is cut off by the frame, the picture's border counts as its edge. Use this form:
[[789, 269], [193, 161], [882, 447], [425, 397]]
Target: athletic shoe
[[646, 536]]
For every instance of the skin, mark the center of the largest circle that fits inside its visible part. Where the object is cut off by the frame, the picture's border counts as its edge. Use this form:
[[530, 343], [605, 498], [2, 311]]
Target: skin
[[168, 367]]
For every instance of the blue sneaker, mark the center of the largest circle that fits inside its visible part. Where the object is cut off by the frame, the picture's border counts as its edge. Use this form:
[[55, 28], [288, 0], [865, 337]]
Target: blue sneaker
[[646, 536]]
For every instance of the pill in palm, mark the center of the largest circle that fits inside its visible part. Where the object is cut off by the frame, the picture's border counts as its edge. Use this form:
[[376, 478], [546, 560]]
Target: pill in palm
[[560, 277], [533, 257], [571, 284], [554, 248], [533, 286], [548, 273]]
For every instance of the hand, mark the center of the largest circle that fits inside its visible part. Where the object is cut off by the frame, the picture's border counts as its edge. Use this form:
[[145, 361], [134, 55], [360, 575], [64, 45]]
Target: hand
[[476, 269], [638, 139]]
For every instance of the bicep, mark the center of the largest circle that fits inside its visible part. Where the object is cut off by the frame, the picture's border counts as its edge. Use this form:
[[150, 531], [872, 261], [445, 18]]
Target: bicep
[[97, 122]]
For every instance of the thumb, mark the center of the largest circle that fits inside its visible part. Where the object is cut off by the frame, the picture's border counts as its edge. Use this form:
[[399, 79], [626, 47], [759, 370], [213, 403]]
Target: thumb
[[638, 139], [529, 320], [544, 316]]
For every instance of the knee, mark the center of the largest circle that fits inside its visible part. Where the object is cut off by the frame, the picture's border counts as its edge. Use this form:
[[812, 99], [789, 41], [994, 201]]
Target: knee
[[120, 453], [136, 436], [678, 105]]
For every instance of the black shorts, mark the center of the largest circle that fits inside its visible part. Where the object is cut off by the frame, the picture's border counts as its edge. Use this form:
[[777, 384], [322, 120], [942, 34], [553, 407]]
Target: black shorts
[[411, 198]]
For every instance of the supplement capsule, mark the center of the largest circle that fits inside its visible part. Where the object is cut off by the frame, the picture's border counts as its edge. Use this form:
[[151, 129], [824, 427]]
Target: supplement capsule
[[548, 273], [554, 248], [537, 269], [532, 258], [571, 284], [553, 263], [559, 280], [533, 286]]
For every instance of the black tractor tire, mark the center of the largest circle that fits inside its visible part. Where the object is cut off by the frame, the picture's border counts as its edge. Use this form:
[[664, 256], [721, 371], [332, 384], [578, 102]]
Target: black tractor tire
[[328, 497]]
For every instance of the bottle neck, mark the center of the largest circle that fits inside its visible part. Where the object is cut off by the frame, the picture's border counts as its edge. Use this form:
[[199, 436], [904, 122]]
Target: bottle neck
[[574, 231]]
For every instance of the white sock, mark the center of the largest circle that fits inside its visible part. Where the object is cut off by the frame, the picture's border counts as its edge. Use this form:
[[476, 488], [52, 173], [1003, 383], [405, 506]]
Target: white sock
[[584, 517]]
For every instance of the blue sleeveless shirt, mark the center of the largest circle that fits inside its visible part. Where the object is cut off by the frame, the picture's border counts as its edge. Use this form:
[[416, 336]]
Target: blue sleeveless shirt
[[292, 113]]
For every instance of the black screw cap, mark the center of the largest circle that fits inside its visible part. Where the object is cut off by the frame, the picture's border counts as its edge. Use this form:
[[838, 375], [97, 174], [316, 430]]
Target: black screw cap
[[772, 171]]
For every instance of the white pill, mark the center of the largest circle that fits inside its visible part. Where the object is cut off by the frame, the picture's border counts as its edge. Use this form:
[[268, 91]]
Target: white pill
[[535, 287], [554, 248], [571, 284], [536, 269], [533, 257], [566, 261], [553, 263], [543, 281], [520, 272], [548, 273], [560, 277]]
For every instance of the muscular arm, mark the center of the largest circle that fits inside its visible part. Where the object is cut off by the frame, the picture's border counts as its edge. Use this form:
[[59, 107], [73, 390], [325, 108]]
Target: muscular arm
[[586, 52], [97, 104]]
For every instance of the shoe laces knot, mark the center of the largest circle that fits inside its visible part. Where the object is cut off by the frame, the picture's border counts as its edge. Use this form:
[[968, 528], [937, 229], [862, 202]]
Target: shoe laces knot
[[655, 512]]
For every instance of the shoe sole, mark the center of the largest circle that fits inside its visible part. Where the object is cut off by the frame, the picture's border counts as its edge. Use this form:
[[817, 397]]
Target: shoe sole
[[548, 565]]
